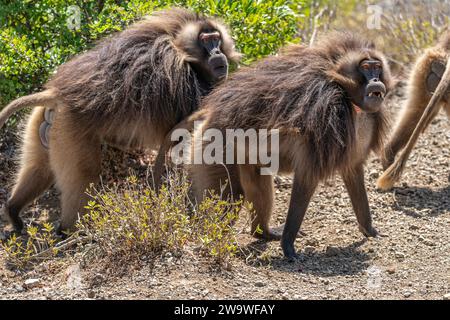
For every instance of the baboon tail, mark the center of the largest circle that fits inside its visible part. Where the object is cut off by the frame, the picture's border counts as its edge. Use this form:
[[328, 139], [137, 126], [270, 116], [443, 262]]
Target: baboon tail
[[44, 98], [394, 172]]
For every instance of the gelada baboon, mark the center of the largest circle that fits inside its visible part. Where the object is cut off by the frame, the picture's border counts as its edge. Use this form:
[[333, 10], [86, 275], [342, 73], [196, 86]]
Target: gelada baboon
[[129, 91], [327, 102], [419, 110]]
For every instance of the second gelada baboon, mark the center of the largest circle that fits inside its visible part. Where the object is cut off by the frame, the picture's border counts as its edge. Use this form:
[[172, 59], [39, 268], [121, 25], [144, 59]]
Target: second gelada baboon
[[327, 102], [425, 77], [128, 91]]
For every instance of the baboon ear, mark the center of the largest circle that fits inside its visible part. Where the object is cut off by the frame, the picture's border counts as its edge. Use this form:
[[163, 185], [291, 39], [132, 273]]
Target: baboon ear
[[347, 83]]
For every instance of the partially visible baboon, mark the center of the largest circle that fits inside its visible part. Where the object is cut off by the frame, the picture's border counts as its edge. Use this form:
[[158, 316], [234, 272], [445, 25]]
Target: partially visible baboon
[[327, 103], [129, 91], [424, 80]]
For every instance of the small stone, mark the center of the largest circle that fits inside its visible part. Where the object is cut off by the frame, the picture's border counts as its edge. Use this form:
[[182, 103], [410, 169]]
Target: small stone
[[285, 296], [312, 242], [447, 296], [374, 174], [391, 270], [429, 242], [260, 284], [309, 250], [19, 288], [414, 227], [407, 294], [332, 251], [400, 256], [91, 294], [31, 283]]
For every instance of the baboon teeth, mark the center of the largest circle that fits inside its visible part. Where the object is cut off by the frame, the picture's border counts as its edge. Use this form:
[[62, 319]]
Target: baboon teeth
[[376, 94]]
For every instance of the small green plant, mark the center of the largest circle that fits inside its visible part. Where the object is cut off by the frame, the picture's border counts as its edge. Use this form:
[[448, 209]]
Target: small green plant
[[23, 251], [135, 220]]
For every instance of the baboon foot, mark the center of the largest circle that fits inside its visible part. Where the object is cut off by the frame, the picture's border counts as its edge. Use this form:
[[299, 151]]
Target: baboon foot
[[369, 232], [12, 216], [289, 251], [274, 234]]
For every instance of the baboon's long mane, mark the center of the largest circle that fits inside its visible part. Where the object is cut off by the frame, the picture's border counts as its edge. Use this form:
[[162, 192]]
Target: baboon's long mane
[[293, 90], [138, 73]]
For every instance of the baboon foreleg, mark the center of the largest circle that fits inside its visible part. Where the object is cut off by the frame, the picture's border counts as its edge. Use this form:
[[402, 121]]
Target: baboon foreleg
[[354, 182], [76, 166], [258, 190], [34, 175], [302, 191]]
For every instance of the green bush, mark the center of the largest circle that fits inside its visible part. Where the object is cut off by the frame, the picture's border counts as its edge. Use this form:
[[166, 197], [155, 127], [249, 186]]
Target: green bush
[[37, 36], [125, 223]]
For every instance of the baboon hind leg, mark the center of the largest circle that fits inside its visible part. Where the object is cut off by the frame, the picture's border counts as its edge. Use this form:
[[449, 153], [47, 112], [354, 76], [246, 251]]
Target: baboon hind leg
[[34, 176], [258, 190], [76, 161], [220, 179]]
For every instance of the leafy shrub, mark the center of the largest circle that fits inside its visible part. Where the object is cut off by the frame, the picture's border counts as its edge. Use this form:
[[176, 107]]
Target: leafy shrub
[[132, 221]]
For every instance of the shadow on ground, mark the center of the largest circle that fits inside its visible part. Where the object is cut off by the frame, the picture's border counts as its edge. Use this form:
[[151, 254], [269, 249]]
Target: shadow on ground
[[341, 261]]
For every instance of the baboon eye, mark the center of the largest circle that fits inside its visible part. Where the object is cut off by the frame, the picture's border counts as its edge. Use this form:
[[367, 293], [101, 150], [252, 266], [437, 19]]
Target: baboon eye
[[365, 66]]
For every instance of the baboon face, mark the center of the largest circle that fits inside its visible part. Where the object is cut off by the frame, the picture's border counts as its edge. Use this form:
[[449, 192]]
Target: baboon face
[[208, 48], [373, 90], [368, 83], [215, 62], [212, 63]]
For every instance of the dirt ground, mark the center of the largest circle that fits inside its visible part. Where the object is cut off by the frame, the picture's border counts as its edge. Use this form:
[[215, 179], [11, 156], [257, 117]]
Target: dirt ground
[[410, 261]]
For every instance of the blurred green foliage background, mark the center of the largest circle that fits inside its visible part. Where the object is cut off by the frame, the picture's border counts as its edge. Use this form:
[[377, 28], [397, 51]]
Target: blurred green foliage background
[[38, 35]]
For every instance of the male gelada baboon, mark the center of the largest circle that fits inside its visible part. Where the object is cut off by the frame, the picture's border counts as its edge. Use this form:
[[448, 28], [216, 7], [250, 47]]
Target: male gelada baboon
[[129, 91], [327, 102], [423, 83]]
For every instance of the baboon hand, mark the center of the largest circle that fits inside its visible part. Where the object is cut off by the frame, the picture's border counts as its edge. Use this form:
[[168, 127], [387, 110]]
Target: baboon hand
[[434, 77]]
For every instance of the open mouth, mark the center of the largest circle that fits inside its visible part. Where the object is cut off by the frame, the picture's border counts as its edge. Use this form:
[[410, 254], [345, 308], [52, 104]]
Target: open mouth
[[376, 94]]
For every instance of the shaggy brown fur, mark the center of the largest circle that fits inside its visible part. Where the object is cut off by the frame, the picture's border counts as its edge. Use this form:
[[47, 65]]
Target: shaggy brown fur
[[309, 94], [423, 82], [129, 90]]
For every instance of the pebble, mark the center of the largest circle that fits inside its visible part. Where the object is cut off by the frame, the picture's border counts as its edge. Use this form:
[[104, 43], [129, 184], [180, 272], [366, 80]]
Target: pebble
[[407, 294], [260, 284], [332, 251], [400, 255], [309, 250], [447, 296], [429, 242], [31, 283], [19, 288], [312, 242], [391, 269]]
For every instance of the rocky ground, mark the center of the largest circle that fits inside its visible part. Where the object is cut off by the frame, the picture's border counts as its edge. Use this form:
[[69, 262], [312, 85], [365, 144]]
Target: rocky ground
[[411, 260]]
